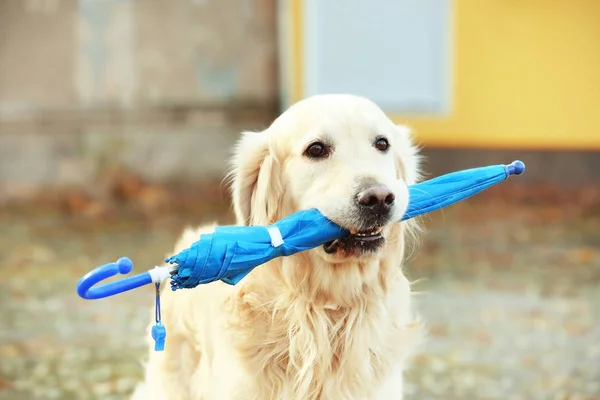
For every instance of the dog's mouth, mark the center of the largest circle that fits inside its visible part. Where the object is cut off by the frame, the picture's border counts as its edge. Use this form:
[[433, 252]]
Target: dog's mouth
[[358, 242]]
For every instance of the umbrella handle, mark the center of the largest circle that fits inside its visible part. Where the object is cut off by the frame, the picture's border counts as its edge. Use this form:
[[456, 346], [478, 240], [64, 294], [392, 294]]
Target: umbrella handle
[[123, 266]]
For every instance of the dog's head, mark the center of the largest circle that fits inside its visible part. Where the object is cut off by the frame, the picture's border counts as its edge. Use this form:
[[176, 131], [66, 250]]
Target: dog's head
[[337, 153]]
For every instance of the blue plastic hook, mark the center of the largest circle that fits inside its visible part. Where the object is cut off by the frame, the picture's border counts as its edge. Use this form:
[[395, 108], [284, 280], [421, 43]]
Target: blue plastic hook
[[123, 266]]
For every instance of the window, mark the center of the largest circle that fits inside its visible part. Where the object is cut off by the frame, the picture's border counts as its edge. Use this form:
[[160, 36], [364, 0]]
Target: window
[[395, 52]]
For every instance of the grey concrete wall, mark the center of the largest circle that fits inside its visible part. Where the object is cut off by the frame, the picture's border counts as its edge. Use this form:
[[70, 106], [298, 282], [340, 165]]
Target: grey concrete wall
[[160, 86], [90, 53]]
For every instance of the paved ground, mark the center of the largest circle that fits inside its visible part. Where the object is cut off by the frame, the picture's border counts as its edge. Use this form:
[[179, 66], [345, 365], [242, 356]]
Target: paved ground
[[510, 295]]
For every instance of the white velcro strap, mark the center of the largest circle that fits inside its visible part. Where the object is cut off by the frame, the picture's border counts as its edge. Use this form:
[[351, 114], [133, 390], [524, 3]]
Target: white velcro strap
[[159, 274], [275, 233]]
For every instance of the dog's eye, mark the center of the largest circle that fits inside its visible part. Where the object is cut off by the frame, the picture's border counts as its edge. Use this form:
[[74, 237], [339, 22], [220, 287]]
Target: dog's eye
[[317, 150], [382, 144]]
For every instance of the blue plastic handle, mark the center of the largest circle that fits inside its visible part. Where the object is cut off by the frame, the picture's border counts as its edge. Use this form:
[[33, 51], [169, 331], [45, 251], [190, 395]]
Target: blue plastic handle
[[123, 266]]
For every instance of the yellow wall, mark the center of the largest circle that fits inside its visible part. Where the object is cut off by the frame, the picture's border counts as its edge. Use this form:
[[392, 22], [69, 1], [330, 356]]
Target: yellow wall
[[526, 74]]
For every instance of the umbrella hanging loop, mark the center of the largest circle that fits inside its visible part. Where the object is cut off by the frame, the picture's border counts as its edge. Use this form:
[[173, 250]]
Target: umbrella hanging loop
[[159, 332]]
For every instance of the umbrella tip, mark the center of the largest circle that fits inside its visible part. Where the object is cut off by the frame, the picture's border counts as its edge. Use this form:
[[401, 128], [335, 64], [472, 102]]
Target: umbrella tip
[[515, 168]]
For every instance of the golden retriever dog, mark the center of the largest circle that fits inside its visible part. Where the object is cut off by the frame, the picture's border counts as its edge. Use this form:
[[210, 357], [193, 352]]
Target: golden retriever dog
[[331, 323]]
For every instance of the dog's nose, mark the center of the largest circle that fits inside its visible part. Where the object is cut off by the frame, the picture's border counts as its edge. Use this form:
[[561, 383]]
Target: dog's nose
[[378, 199]]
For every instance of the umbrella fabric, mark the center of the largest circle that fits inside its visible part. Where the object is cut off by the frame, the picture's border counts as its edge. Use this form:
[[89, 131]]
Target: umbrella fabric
[[449, 189], [231, 252]]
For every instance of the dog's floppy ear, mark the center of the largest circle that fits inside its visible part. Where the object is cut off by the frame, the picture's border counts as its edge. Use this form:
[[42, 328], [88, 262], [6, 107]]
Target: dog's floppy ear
[[255, 180], [408, 160]]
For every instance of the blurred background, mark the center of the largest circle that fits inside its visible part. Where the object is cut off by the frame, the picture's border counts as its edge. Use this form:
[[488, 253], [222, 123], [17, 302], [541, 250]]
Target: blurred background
[[117, 118]]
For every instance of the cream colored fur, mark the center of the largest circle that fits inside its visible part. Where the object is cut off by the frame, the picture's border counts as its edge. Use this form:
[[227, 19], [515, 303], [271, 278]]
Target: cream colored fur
[[313, 325]]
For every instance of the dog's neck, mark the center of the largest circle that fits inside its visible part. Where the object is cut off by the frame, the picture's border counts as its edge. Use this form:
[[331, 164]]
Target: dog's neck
[[315, 325], [306, 277]]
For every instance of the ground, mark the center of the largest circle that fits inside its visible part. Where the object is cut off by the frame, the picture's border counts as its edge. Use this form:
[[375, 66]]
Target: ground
[[507, 287]]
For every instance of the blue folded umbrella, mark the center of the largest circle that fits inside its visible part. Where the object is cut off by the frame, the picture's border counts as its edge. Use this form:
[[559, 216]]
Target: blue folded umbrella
[[231, 252]]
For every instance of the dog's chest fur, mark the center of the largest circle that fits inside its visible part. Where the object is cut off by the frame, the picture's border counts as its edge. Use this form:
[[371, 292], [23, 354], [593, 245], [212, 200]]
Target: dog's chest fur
[[309, 352]]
